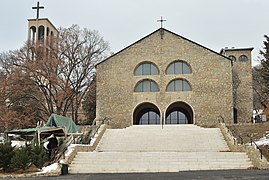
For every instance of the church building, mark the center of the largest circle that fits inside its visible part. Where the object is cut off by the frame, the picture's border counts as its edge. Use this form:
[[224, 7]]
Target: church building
[[165, 78]]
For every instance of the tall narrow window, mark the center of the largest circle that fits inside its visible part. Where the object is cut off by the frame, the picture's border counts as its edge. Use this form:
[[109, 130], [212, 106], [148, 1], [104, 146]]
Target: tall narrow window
[[178, 67], [147, 86], [179, 85], [146, 69], [41, 33]]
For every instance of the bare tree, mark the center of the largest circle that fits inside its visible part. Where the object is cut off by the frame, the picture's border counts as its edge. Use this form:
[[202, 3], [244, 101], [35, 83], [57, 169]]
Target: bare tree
[[56, 80], [89, 103], [80, 50]]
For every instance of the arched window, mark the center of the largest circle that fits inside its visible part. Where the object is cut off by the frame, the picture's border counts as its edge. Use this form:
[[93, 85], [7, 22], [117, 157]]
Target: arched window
[[149, 117], [233, 58], [178, 67], [32, 34], [179, 113], [178, 85], [146, 69], [146, 113], [41, 33], [146, 86], [243, 58]]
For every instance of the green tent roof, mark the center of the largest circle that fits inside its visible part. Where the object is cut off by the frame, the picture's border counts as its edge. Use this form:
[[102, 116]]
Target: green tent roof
[[61, 121], [32, 131], [28, 130]]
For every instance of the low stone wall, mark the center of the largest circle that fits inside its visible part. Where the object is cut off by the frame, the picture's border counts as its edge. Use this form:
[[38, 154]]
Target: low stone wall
[[243, 131], [86, 148], [251, 151], [255, 157]]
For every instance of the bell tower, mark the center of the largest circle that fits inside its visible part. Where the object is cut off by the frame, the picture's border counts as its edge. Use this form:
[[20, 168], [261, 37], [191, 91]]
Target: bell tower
[[42, 34], [242, 82]]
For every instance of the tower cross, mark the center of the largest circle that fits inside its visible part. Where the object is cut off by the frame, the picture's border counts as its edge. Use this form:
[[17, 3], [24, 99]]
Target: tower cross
[[37, 9], [161, 21]]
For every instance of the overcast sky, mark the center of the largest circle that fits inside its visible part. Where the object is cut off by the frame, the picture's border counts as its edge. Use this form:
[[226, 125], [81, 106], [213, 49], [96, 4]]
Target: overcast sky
[[213, 23]]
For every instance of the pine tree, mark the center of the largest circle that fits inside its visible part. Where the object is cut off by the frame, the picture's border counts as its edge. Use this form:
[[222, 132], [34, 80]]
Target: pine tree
[[263, 71], [6, 154]]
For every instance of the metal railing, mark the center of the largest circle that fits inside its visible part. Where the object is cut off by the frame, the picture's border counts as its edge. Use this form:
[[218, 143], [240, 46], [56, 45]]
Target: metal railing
[[240, 137], [86, 139], [258, 149], [253, 142]]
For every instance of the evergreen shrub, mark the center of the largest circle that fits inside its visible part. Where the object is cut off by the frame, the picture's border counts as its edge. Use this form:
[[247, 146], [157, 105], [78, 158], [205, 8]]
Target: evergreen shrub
[[6, 154]]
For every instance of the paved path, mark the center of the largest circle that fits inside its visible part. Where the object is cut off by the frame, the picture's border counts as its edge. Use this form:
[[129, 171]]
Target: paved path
[[201, 175]]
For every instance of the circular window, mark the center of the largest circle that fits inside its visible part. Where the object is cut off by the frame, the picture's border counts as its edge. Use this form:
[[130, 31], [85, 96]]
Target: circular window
[[243, 58]]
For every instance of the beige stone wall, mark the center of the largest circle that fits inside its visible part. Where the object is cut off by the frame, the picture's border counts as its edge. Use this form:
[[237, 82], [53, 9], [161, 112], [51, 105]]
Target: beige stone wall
[[211, 81], [50, 33], [244, 99]]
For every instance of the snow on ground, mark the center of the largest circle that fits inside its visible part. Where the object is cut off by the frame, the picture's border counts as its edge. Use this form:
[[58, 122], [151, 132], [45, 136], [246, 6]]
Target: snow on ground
[[262, 141], [51, 168], [71, 148], [17, 143]]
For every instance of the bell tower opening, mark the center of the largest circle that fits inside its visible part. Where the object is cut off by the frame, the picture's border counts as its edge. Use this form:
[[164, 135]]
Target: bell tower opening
[[41, 33]]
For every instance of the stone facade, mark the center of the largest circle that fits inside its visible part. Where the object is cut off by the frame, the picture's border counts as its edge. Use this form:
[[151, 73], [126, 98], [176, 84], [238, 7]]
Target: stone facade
[[211, 95], [242, 75]]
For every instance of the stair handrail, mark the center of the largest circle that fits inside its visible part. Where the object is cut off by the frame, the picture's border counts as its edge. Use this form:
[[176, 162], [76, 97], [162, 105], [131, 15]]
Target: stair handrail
[[105, 119], [258, 149], [253, 142], [94, 130]]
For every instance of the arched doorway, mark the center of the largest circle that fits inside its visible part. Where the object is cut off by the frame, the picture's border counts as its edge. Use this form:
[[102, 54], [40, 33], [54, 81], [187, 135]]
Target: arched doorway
[[179, 113], [145, 114]]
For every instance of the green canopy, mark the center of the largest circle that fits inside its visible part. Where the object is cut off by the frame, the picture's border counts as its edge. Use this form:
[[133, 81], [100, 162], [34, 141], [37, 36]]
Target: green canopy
[[61, 121], [39, 133], [32, 131]]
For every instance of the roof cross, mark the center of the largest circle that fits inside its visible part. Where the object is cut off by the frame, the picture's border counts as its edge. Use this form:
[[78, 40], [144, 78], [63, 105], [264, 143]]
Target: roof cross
[[161, 21], [37, 9]]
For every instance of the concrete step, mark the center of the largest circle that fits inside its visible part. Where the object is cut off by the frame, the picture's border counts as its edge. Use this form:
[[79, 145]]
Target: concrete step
[[151, 148], [102, 162], [153, 138]]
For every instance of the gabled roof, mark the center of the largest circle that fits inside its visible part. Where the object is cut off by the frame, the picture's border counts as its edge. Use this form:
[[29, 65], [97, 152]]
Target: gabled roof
[[168, 32]]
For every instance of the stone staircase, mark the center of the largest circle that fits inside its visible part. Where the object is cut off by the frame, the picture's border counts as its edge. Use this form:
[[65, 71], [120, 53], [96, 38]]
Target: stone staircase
[[151, 148]]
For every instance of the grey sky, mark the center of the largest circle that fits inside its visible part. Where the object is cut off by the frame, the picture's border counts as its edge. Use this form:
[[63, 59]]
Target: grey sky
[[212, 23]]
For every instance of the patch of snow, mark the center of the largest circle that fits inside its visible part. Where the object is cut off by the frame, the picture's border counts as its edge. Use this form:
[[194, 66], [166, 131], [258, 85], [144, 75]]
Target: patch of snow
[[71, 148], [262, 141], [73, 145], [69, 151], [51, 168], [62, 161], [95, 136], [17, 143]]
